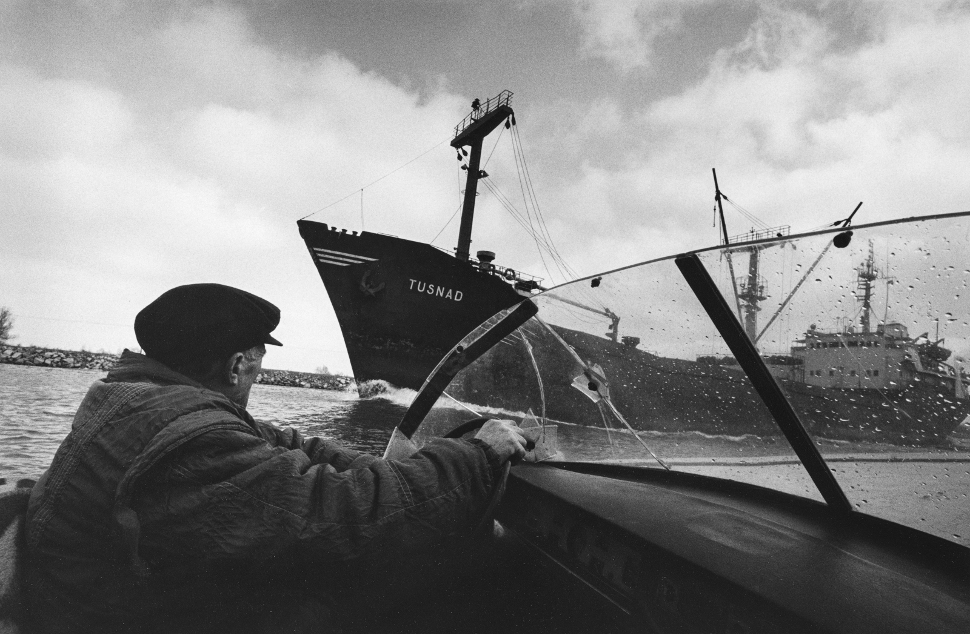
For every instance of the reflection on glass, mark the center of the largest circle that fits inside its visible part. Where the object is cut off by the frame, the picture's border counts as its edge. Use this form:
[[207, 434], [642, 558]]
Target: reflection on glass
[[868, 342]]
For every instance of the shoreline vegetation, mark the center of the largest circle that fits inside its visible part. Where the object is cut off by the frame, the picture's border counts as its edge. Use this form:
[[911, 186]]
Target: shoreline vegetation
[[103, 361]]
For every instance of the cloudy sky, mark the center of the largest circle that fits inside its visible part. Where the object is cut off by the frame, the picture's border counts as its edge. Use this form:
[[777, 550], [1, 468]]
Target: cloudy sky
[[147, 145]]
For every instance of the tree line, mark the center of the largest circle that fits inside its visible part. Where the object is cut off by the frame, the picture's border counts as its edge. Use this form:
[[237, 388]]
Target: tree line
[[6, 324]]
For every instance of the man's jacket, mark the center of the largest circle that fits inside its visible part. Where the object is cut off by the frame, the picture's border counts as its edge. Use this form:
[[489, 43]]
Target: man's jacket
[[167, 501]]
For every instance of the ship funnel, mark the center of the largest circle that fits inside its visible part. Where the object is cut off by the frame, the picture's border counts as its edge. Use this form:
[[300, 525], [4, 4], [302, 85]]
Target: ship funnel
[[485, 259]]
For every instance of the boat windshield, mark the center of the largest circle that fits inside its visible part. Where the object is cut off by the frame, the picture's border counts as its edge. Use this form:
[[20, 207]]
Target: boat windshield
[[865, 334]]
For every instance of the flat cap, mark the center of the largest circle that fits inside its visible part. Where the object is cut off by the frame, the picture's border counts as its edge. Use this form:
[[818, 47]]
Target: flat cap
[[202, 321]]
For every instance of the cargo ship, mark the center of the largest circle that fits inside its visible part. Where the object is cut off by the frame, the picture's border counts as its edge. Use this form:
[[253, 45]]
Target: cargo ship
[[402, 305], [862, 382]]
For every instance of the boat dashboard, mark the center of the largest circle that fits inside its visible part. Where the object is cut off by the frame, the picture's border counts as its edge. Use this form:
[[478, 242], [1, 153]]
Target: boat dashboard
[[694, 554], [701, 465]]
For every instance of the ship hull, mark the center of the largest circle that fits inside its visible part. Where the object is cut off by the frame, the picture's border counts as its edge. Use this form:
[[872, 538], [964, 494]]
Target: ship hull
[[920, 414], [678, 395], [401, 305]]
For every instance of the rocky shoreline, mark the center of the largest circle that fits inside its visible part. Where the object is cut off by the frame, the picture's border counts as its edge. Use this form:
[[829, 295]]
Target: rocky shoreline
[[84, 360], [287, 378], [71, 359]]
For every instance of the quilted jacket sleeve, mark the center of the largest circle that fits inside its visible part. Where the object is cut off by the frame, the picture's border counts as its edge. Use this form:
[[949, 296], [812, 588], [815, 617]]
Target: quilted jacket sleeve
[[319, 450], [228, 495]]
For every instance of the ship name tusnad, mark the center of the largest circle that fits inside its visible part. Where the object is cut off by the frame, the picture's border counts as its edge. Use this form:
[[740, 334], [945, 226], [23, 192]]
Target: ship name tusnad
[[437, 291]]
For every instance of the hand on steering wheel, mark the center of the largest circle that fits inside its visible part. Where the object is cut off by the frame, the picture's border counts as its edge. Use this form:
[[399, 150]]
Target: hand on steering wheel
[[504, 436]]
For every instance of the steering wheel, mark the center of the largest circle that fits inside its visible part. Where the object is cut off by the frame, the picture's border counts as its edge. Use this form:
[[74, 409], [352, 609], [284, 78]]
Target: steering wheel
[[467, 427], [485, 524]]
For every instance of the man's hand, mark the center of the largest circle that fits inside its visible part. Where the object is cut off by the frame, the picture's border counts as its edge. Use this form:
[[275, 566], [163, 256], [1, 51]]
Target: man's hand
[[505, 438]]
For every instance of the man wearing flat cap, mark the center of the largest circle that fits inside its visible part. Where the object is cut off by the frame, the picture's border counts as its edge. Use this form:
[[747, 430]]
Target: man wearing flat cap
[[168, 508]]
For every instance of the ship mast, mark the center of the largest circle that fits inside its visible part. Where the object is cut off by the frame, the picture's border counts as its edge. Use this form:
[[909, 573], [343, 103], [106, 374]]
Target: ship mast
[[867, 274], [752, 293], [844, 223], [748, 292], [471, 132]]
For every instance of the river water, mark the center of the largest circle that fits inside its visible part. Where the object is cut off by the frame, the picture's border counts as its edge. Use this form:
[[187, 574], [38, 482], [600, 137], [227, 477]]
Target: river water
[[37, 406], [929, 492]]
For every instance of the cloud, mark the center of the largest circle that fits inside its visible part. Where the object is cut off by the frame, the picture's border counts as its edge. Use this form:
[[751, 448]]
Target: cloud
[[782, 37], [191, 161], [800, 127], [181, 144], [623, 31]]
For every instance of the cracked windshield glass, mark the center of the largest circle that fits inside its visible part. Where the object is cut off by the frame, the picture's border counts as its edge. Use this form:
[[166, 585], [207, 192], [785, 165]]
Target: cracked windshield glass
[[627, 368]]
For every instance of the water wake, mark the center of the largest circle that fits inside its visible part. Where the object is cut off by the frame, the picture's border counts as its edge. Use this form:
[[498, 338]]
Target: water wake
[[381, 389]]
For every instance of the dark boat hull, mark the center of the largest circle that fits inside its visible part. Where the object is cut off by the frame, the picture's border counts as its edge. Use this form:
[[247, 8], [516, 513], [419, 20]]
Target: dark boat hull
[[401, 305]]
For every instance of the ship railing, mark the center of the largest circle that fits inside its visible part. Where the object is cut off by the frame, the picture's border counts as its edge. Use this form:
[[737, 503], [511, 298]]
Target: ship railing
[[717, 359], [763, 234], [779, 359], [845, 331], [502, 99], [510, 275]]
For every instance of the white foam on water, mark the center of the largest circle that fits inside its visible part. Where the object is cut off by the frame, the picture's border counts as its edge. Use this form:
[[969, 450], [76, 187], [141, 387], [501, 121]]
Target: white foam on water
[[741, 438], [381, 389]]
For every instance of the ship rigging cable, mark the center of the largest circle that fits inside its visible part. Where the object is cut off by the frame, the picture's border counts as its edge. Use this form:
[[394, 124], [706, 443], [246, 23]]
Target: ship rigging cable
[[525, 178], [525, 223], [374, 182], [536, 228], [446, 224], [541, 242], [494, 145], [457, 209], [516, 147], [539, 239], [543, 237], [484, 165], [747, 214]]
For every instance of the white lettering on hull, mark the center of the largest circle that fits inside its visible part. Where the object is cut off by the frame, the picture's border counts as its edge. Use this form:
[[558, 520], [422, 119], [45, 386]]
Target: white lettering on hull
[[435, 290]]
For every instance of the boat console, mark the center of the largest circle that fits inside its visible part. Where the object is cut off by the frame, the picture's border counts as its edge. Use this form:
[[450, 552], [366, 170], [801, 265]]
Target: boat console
[[689, 553]]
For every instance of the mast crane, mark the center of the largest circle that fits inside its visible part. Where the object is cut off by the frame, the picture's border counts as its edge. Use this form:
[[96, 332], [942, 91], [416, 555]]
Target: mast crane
[[471, 131], [748, 291]]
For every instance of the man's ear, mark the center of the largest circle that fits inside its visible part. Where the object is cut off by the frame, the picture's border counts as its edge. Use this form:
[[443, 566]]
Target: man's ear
[[234, 368]]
